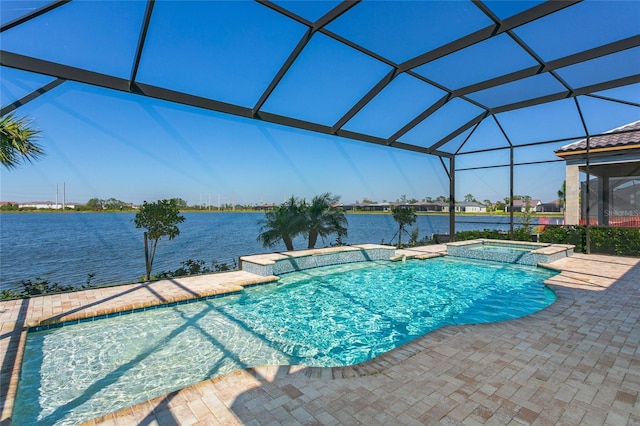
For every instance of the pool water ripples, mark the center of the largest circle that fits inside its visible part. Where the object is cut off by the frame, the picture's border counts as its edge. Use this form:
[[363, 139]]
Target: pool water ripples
[[331, 316]]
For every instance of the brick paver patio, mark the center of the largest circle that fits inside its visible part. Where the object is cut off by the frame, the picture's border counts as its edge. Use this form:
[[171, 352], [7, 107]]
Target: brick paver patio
[[576, 362]]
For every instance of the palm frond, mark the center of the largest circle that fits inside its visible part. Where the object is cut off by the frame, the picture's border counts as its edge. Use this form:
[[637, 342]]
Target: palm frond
[[18, 141]]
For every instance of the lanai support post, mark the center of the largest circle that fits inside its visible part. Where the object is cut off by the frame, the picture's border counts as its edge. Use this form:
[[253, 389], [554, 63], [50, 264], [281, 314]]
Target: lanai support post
[[572, 208], [604, 205], [588, 189], [588, 201], [511, 192], [452, 198]]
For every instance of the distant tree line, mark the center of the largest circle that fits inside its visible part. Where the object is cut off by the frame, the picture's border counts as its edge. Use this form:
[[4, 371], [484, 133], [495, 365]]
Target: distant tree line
[[498, 205], [111, 204], [468, 198]]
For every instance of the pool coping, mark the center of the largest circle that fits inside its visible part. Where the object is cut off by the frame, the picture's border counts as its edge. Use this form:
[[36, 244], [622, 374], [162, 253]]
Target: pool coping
[[12, 356]]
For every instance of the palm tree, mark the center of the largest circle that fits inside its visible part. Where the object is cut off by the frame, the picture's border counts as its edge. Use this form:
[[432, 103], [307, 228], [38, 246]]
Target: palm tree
[[562, 194], [489, 205], [17, 141], [404, 216], [322, 219], [284, 222]]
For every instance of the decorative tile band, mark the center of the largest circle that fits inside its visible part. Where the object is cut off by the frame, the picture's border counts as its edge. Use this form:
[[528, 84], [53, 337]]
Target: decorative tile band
[[294, 263], [508, 252]]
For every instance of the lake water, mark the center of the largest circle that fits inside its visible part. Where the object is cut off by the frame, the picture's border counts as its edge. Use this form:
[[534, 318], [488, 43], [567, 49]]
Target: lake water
[[66, 247]]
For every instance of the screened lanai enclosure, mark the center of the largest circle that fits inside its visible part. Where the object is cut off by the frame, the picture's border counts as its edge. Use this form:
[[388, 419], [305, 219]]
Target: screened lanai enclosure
[[505, 98]]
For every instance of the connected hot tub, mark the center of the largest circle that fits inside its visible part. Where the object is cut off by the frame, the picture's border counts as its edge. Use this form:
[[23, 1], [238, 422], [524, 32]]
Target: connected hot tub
[[507, 251]]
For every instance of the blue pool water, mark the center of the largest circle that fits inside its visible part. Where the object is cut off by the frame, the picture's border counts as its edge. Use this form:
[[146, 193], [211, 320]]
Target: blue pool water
[[329, 316]]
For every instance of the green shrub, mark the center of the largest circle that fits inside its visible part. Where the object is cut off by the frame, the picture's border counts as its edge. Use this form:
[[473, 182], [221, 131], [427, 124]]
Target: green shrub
[[491, 234], [223, 267], [196, 267], [522, 234], [618, 241], [574, 235], [36, 288], [519, 234], [605, 240]]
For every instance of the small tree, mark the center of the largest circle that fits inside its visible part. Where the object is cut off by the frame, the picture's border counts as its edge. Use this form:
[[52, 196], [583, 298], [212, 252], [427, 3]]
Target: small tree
[[160, 219], [526, 217], [415, 235], [403, 216]]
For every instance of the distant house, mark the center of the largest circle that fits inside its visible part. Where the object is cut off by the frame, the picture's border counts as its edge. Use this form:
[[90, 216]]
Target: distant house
[[614, 177], [377, 207], [46, 205], [521, 205], [470, 207], [434, 206], [550, 207], [265, 207]]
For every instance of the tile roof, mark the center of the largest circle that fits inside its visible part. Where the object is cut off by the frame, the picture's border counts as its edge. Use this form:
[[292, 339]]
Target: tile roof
[[610, 139], [469, 204], [523, 203]]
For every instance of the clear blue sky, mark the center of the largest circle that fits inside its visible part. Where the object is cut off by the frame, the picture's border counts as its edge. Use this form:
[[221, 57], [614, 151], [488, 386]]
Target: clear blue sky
[[101, 143]]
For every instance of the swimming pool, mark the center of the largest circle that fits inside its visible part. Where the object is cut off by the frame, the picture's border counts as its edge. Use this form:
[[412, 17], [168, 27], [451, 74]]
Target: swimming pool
[[329, 316]]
